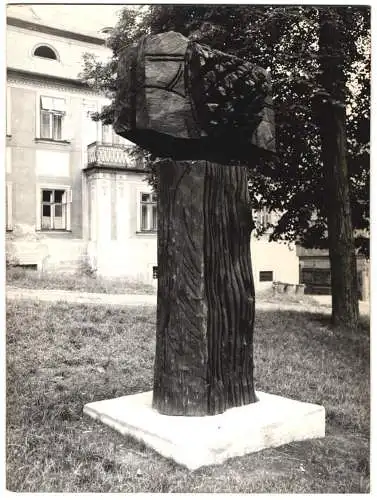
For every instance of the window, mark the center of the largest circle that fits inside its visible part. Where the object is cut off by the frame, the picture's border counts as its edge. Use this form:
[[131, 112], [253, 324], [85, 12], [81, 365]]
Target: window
[[55, 212], [51, 118], [263, 218], [117, 139], [148, 216], [46, 52], [266, 275], [110, 137], [107, 134]]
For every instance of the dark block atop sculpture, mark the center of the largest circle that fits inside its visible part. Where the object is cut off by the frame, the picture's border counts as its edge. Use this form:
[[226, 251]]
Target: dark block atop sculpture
[[183, 100]]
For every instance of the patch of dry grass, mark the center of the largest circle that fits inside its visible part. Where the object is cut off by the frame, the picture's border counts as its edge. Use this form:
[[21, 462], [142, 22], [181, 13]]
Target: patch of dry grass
[[61, 356]]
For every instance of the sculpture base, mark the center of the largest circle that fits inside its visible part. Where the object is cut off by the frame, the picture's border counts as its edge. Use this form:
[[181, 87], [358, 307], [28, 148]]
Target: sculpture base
[[197, 441]]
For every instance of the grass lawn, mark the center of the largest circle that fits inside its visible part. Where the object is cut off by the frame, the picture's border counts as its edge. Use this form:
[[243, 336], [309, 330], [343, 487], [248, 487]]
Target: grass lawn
[[27, 278], [61, 356]]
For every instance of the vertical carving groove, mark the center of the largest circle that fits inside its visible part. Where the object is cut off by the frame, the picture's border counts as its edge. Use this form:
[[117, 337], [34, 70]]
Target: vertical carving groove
[[229, 288], [180, 385]]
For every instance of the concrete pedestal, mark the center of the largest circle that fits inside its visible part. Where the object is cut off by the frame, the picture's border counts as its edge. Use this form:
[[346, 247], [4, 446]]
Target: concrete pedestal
[[197, 441]]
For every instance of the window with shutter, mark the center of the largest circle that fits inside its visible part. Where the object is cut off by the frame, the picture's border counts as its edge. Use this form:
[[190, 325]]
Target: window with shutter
[[52, 112]]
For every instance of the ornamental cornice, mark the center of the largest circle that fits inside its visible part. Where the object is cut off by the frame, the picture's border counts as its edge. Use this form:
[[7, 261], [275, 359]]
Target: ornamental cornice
[[119, 172], [98, 175], [25, 81]]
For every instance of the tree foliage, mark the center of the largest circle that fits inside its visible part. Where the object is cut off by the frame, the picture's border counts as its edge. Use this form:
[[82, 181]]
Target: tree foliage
[[285, 40]]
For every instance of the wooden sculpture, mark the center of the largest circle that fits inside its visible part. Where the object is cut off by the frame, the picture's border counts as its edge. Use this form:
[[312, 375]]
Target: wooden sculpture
[[200, 110]]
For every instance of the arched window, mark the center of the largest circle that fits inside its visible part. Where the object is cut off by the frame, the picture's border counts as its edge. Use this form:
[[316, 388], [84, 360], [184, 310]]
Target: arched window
[[46, 52]]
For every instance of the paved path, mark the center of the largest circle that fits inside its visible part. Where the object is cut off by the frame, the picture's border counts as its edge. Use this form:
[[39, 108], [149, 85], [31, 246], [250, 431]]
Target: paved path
[[13, 293]]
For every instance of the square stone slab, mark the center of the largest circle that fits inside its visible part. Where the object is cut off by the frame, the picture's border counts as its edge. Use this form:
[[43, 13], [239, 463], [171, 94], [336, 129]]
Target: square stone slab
[[196, 441]]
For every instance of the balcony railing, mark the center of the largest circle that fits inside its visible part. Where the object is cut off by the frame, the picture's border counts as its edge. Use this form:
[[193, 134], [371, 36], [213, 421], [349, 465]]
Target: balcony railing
[[112, 155]]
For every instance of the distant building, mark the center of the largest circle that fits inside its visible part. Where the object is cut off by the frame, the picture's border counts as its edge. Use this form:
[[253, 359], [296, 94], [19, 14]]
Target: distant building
[[315, 272], [75, 198]]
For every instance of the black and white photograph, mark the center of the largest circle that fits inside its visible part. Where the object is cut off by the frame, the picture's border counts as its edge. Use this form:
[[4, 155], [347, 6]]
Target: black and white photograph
[[187, 272]]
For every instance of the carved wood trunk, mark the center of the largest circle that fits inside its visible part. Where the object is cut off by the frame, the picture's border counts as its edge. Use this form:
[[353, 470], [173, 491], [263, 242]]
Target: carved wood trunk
[[205, 305]]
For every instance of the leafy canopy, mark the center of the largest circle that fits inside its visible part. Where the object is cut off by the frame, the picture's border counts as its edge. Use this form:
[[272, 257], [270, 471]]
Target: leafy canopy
[[283, 39]]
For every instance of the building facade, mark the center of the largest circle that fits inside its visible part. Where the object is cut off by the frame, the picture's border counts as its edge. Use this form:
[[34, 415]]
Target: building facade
[[75, 197], [73, 193]]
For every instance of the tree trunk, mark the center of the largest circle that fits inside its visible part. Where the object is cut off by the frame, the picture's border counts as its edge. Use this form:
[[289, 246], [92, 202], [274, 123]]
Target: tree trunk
[[205, 304], [345, 308], [332, 121]]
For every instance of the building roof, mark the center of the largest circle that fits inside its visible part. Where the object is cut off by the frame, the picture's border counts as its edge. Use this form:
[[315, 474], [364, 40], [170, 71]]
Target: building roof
[[69, 31], [87, 19]]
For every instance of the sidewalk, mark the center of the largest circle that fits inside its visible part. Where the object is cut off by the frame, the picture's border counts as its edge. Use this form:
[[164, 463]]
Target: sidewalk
[[13, 293]]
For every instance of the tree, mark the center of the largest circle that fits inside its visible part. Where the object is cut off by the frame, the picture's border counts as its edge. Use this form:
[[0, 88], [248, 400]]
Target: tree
[[285, 39], [331, 117]]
